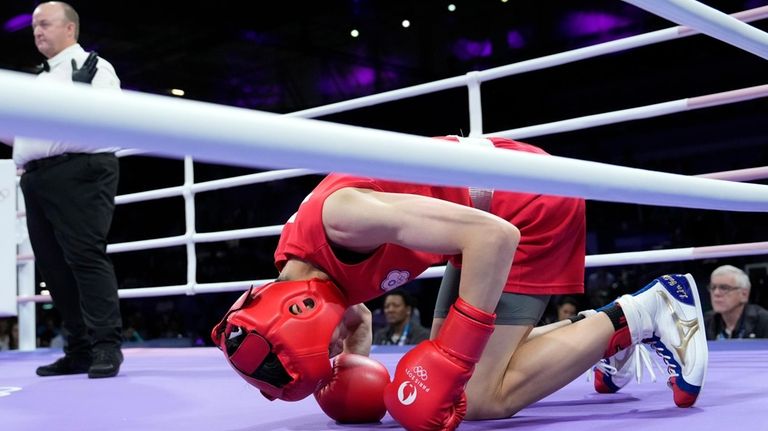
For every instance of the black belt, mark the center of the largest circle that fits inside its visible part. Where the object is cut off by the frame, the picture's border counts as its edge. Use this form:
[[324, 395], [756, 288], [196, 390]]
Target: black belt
[[34, 165]]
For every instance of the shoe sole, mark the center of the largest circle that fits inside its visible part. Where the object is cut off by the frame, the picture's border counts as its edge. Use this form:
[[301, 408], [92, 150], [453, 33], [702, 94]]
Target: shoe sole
[[702, 328], [43, 374], [102, 376]]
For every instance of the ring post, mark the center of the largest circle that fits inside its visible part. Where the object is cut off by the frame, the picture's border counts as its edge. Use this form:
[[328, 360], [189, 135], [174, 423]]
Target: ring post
[[8, 235]]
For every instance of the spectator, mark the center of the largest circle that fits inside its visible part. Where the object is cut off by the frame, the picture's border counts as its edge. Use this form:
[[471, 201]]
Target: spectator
[[567, 306], [732, 316], [5, 334], [14, 344], [563, 308], [601, 286], [47, 331], [402, 328]]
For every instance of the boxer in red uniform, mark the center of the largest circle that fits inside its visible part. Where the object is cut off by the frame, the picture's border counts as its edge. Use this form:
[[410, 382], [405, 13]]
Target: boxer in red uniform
[[354, 238]]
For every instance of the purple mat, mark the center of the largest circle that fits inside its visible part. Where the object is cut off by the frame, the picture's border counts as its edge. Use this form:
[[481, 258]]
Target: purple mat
[[194, 389]]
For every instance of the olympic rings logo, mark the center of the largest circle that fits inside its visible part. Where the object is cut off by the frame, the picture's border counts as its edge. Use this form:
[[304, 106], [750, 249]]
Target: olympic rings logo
[[420, 372]]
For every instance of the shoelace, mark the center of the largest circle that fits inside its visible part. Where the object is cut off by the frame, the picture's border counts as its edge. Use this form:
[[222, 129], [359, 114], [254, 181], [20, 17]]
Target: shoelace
[[642, 358], [671, 368], [606, 368]]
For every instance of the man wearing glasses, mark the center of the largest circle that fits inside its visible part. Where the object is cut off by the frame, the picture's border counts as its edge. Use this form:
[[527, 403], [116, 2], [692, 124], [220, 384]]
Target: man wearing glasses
[[732, 316]]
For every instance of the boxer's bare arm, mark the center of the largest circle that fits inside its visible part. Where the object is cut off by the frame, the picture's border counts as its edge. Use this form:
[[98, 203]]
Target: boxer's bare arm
[[362, 220]]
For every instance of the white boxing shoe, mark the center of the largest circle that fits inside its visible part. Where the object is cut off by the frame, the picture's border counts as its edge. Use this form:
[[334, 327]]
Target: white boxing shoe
[[667, 315]]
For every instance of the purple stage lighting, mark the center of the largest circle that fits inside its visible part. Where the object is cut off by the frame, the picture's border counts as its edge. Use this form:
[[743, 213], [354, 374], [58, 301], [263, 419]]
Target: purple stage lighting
[[592, 23], [18, 22], [352, 82], [465, 49], [515, 39], [362, 76]]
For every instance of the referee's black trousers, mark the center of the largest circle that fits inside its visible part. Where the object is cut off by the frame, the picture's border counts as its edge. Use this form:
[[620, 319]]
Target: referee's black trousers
[[70, 200]]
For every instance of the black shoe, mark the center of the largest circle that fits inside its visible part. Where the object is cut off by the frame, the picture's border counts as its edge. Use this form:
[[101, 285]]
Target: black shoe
[[69, 364], [106, 363]]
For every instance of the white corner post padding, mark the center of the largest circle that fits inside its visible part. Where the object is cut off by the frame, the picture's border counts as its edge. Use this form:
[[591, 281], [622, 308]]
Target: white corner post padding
[[7, 238]]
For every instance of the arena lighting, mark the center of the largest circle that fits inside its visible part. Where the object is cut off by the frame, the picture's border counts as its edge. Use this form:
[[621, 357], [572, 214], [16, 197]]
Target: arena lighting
[[515, 39], [177, 92], [584, 23], [406, 23], [354, 33], [466, 49], [18, 22], [451, 7]]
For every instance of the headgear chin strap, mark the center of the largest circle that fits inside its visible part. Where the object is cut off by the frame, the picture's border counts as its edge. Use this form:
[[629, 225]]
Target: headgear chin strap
[[277, 337]]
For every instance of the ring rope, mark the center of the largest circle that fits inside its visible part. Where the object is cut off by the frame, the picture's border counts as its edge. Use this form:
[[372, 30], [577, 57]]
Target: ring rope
[[709, 21], [525, 66], [232, 136], [641, 112], [592, 261]]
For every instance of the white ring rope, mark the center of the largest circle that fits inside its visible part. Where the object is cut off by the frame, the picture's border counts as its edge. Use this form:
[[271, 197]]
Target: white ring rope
[[709, 21], [648, 111], [254, 232], [592, 261], [736, 175], [655, 256], [749, 174], [257, 232], [677, 254], [243, 137], [741, 175], [242, 180], [181, 289], [525, 66]]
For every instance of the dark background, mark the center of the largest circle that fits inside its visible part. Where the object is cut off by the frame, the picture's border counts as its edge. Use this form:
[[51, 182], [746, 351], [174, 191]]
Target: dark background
[[287, 56]]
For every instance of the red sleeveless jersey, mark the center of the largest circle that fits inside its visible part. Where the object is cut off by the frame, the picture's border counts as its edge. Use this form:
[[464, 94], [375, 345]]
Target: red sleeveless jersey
[[549, 259]]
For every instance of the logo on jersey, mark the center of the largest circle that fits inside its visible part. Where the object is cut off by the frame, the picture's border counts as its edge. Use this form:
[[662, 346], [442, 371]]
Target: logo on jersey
[[395, 278]]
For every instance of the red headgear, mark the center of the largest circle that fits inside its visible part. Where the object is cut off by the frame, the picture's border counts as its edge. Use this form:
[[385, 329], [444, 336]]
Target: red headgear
[[277, 337]]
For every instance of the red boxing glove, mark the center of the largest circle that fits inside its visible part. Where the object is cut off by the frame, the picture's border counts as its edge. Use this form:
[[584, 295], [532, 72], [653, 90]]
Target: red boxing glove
[[354, 393], [427, 392]]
